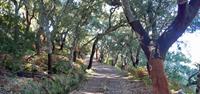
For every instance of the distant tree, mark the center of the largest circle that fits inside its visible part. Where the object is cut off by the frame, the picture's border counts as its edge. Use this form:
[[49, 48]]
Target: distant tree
[[176, 67], [108, 29]]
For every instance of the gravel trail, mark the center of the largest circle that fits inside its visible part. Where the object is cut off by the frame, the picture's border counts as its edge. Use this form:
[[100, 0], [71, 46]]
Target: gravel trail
[[106, 79]]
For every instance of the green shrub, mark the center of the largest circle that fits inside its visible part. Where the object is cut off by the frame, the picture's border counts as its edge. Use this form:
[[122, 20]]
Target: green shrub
[[80, 64], [140, 73], [32, 88], [58, 84], [67, 76], [175, 85], [28, 67], [118, 65], [11, 64], [62, 67]]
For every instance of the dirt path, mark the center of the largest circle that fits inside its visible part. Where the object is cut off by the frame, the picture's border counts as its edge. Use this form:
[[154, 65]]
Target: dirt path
[[108, 80]]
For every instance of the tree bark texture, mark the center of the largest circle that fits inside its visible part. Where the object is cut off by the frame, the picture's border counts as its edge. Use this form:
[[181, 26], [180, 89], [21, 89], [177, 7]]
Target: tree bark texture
[[157, 74]]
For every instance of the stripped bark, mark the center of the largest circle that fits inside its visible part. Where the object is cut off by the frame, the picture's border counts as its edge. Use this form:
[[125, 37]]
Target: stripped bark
[[186, 13]]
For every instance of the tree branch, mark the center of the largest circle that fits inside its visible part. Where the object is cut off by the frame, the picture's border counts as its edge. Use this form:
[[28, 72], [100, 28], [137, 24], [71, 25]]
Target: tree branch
[[109, 30], [186, 13], [112, 10], [190, 82], [137, 27]]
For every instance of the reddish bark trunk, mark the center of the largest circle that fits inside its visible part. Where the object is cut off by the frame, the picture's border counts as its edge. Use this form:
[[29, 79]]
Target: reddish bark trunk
[[186, 13], [158, 77]]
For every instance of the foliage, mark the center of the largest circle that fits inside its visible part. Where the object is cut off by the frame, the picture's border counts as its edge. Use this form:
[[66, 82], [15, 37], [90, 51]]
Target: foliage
[[67, 66], [139, 73], [176, 67], [178, 71], [109, 61], [80, 64], [73, 23], [62, 67], [67, 78], [60, 84], [11, 64]]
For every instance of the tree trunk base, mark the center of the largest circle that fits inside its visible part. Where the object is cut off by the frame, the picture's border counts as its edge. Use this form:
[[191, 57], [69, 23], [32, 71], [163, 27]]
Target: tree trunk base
[[157, 74]]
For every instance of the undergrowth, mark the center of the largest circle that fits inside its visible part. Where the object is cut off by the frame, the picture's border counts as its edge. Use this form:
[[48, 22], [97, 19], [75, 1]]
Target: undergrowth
[[66, 77], [139, 73]]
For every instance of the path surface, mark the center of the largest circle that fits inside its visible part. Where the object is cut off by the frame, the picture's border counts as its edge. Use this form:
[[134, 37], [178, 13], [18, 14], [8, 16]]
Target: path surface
[[108, 80]]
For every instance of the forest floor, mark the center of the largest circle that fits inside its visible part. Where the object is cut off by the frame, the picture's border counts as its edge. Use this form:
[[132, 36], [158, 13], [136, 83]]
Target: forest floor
[[106, 79]]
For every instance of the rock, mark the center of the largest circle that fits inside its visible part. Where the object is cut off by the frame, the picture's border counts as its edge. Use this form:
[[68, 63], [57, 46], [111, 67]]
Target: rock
[[180, 91]]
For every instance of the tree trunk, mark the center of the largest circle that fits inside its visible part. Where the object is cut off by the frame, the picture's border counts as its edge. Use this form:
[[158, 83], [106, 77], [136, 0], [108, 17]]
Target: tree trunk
[[44, 23], [16, 21], [49, 45], [101, 59], [133, 60], [124, 63], [53, 46], [115, 59], [61, 46], [37, 47], [74, 55], [49, 63], [158, 77], [97, 54], [92, 53], [63, 40], [198, 82], [186, 13], [38, 42]]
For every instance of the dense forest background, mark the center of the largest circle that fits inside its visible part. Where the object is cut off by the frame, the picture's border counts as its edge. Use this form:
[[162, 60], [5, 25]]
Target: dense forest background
[[47, 41]]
